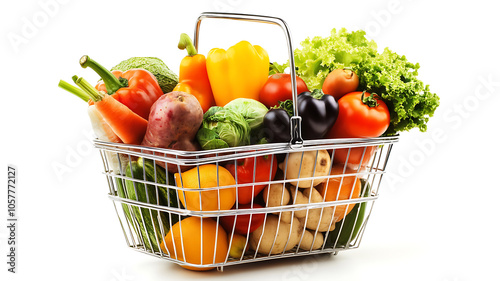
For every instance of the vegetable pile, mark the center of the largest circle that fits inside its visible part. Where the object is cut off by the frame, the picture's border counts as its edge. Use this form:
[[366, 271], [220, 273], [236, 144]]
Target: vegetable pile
[[387, 74], [234, 98]]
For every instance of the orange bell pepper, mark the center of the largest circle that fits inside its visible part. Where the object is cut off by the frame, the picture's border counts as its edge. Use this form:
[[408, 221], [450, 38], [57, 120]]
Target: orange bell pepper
[[193, 77]]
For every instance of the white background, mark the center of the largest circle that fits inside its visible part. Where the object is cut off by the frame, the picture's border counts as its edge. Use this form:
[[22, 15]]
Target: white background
[[437, 217]]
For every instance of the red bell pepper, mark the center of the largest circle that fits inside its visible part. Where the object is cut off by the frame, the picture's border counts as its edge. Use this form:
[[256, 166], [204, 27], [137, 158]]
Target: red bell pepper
[[265, 169], [136, 88], [244, 224]]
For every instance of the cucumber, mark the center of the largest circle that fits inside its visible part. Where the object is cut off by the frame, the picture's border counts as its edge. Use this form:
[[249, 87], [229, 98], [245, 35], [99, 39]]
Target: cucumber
[[351, 224], [153, 225], [126, 209]]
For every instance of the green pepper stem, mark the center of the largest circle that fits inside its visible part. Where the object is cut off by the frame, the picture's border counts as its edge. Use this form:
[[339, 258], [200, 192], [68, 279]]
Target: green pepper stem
[[317, 94], [74, 90], [185, 43], [88, 88], [286, 105], [112, 83]]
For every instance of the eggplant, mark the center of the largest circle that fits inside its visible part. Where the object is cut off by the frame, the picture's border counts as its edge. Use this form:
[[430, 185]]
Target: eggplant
[[276, 125], [318, 111]]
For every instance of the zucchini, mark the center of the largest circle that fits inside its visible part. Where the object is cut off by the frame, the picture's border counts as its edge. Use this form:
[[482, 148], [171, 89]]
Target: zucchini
[[351, 224], [153, 225], [126, 209]]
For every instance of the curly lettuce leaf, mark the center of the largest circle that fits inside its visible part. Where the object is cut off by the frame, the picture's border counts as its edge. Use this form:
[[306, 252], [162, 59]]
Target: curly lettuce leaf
[[394, 79], [387, 74]]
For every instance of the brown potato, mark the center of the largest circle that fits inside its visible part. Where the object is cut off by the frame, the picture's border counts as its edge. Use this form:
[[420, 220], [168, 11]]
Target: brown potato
[[305, 165], [277, 236]]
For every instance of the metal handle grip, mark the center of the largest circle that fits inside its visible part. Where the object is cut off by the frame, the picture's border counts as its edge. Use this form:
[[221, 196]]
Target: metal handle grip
[[295, 121]]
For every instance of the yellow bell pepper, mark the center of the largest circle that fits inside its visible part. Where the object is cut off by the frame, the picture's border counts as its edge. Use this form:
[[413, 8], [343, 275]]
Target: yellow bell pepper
[[239, 72]]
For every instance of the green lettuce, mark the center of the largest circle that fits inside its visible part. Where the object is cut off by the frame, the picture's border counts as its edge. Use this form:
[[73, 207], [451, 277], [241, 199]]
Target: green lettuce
[[387, 74]]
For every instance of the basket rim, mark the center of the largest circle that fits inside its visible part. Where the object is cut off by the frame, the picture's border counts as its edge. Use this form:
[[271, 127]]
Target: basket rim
[[185, 157]]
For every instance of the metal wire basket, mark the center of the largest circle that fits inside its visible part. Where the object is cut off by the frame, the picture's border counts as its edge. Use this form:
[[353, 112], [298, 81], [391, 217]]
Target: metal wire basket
[[299, 211]]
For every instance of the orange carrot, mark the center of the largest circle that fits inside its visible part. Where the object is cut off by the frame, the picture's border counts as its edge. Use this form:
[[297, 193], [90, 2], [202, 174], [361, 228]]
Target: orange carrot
[[99, 125], [127, 125], [102, 129]]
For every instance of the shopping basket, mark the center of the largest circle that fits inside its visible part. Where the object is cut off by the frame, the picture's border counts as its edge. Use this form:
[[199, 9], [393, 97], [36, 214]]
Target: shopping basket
[[154, 207]]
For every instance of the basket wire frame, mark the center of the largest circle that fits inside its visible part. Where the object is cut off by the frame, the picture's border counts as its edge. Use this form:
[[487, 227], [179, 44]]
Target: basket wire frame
[[115, 156]]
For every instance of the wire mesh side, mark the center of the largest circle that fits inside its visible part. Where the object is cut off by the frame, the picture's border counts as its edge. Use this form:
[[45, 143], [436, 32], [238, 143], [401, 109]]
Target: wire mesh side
[[202, 220]]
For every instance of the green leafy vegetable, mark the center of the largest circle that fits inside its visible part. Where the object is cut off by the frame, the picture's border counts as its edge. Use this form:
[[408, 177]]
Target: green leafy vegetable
[[387, 74], [223, 127], [275, 68], [253, 111], [167, 79]]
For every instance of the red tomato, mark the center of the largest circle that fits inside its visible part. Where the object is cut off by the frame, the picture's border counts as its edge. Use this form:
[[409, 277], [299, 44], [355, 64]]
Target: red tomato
[[356, 156], [265, 170], [340, 82], [244, 224], [279, 88], [358, 120]]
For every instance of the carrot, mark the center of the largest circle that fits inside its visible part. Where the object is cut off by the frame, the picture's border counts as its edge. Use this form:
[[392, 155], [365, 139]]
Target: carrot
[[127, 125], [99, 125], [102, 129], [74, 90]]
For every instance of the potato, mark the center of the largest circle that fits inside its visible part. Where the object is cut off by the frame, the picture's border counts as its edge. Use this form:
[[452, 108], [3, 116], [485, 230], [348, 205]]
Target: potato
[[275, 236], [298, 198], [173, 122], [305, 165], [315, 218], [309, 242], [286, 216], [276, 195]]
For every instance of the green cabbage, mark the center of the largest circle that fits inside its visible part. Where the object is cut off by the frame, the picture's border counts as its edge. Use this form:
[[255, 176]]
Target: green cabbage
[[387, 74], [223, 127], [253, 111]]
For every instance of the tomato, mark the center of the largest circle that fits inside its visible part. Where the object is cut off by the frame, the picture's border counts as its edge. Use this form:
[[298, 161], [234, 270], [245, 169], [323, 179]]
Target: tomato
[[244, 224], [340, 82], [357, 156], [358, 120], [361, 115], [265, 169], [278, 87]]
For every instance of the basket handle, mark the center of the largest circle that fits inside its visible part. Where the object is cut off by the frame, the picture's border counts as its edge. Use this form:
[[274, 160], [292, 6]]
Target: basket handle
[[295, 121]]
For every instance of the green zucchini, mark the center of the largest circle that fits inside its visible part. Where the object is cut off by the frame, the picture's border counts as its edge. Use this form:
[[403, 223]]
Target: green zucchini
[[153, 225], [352, 222], [126, 209]]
